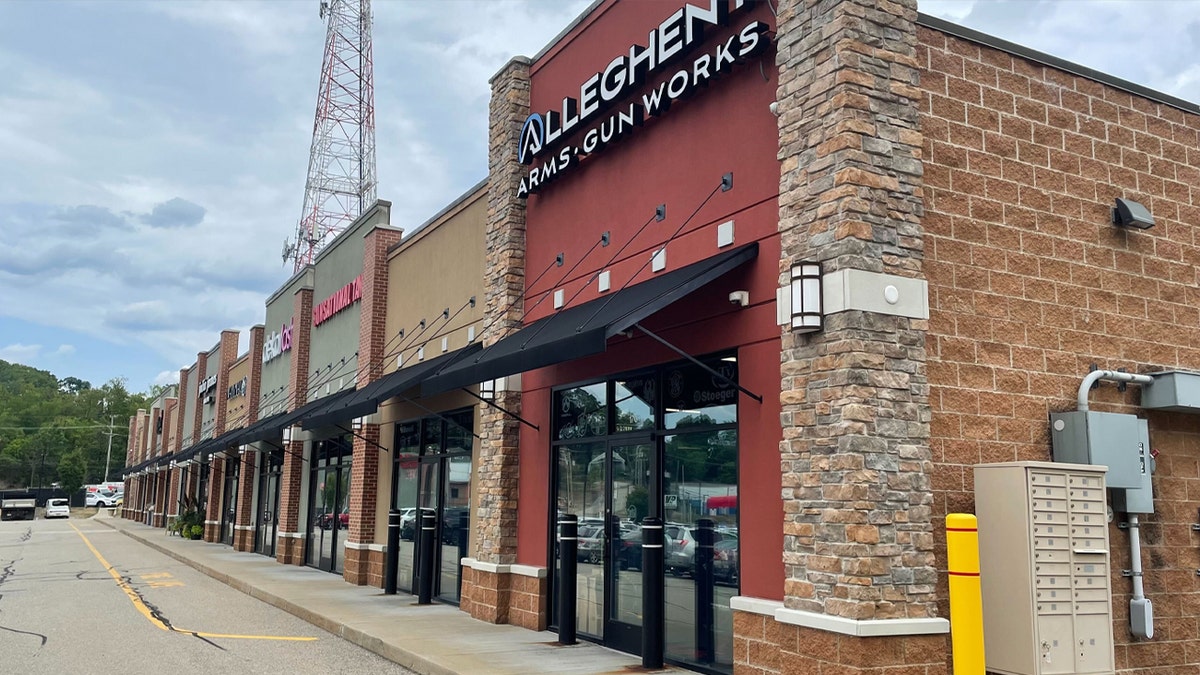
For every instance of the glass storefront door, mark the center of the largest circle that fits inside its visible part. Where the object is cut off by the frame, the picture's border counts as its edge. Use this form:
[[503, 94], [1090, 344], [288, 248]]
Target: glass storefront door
[[229, 499], [329, 500], [270, 468], [661, 443], [432, 470]]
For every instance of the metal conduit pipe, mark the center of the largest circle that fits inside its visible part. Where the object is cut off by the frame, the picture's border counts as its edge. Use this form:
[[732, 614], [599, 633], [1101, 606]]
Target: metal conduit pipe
[[1141, 611], [1112, 376]]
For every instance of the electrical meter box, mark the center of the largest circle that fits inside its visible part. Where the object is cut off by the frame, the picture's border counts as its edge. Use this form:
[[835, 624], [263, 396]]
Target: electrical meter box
[[1044, 568], [1107, 439]]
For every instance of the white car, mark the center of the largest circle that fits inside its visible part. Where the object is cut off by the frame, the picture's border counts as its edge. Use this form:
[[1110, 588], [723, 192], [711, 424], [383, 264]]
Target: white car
[[57, 508], [101, 498]]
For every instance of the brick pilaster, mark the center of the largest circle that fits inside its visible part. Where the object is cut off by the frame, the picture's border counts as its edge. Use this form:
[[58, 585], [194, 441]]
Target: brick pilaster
[[243, 539], [216, 486], [364, 490], [290, 549], [229, 348], [254, 387], [184, 396], [856, 462], [201, 371]]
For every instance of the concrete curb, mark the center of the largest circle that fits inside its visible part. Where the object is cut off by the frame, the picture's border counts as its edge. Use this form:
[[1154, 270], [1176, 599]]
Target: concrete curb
[[371, 643]]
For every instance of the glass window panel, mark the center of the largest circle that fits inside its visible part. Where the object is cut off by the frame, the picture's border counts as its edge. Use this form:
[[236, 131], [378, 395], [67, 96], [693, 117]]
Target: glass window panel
[[459, 436], [579, 490], [695, 397], [582, 412], [635, 399], [700, 502]]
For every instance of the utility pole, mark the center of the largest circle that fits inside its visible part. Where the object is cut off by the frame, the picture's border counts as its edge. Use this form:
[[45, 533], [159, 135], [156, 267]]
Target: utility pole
[[108, 455]]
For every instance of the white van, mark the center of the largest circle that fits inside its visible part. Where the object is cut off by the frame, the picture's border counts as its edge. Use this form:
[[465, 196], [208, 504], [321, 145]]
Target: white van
[[57, 507]]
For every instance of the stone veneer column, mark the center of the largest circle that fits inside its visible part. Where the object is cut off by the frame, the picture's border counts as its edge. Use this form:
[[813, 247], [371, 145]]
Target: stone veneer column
[[243, 535], [486, 588], [858, 541], [289, 547], [362, 565]]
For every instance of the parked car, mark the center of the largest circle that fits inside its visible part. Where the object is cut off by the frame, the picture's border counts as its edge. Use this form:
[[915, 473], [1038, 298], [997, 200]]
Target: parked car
[[681, 549], [328, 520], [101, 499], [57, 508], [629, 556], [591, 544], [725, 561]]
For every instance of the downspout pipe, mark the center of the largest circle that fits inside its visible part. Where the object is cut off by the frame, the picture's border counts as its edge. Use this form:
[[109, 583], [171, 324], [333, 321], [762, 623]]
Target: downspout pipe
[[1112, 376], [1141, 611]]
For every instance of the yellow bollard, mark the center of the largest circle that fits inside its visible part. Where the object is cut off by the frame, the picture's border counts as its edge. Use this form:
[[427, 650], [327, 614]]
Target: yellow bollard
[[966, 598]]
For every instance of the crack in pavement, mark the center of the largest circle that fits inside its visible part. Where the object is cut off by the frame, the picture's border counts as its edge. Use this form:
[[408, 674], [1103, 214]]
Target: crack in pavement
[[4, 576], [157, 613]]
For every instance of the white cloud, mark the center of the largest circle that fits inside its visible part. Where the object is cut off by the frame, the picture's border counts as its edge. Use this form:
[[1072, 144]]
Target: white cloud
[[63, 350], [19, 353], [167, 377]]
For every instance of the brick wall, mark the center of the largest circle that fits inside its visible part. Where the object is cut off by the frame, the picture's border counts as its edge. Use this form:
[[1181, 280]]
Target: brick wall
[[364, 472], [201, 372], [290, 550], [1030, 285], [181, 432]]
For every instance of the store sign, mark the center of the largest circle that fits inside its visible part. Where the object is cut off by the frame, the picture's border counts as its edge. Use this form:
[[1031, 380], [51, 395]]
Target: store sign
[[343, 298], [206, 384], [678, 35], [236, 389], [278, 342]]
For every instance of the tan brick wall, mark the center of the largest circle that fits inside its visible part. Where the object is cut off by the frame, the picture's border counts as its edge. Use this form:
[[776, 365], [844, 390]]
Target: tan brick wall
[[529, 602], [1030, 285]]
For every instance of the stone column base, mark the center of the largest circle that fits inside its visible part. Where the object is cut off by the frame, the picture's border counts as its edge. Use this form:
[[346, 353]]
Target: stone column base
[[516, 594], [364, 566], [766, 641], [289, 550]]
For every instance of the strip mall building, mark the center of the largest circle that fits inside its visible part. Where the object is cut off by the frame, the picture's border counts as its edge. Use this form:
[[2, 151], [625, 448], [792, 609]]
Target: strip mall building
[[797, 276]]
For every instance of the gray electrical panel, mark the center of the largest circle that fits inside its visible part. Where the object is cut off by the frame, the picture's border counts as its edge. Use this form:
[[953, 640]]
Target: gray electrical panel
[[1106, 439], [1141, 498]]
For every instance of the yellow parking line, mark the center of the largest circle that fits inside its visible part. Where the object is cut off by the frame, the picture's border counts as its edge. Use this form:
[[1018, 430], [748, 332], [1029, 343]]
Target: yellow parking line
[[145, 611]]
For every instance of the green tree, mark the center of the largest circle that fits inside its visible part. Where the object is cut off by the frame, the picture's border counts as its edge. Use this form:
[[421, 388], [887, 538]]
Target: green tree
[[71, 470]]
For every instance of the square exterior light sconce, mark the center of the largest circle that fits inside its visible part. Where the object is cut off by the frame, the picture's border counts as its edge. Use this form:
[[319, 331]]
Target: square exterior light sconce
[[806, 297], [487, 390], [356, 424], [1128, 213], [287, 434]]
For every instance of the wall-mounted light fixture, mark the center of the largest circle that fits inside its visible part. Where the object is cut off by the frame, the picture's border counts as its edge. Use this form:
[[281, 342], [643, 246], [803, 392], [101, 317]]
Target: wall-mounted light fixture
[[287, 434], [1128, 213], [356, 424], [806, 297]]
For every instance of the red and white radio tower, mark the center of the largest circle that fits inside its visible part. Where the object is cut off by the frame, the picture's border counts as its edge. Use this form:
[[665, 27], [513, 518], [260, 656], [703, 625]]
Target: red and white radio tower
[[341, 164]]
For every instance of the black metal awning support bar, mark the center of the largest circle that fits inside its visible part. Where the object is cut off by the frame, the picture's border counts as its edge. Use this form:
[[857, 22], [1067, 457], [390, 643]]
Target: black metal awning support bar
[[360, 436], [285, 450], [442, 417], [699, 363], [511, 414]]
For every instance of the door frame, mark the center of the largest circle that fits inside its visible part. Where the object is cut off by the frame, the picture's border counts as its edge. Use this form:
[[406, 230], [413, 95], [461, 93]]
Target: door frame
[[619, 635]]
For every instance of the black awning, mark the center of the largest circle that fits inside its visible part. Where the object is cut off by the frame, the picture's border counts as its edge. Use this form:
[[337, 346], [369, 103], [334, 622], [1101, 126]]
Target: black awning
[[260, 430], [366, 401], [165, 460], [272, 425], [584, 330]]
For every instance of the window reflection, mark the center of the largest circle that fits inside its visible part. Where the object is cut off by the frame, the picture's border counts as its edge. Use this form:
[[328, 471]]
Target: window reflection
[[582, 412]]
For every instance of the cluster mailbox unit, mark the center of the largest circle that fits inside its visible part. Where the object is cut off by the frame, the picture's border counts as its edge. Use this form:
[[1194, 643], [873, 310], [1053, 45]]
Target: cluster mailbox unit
[[1043, 555]]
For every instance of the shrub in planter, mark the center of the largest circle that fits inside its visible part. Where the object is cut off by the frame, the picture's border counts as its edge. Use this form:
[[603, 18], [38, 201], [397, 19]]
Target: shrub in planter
[[196, 532]]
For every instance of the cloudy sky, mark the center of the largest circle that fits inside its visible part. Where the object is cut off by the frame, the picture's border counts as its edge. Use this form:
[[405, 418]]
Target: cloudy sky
[[153, 154]]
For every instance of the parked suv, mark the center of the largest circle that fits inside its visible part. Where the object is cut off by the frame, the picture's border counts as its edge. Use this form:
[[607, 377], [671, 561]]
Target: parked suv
[[102, 499]]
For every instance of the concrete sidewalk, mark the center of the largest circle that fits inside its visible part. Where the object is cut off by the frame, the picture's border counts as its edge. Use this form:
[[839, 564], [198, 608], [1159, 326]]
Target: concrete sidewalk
[[433, 639]]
